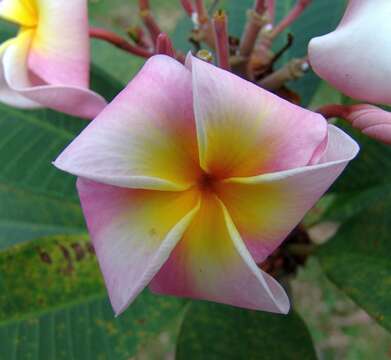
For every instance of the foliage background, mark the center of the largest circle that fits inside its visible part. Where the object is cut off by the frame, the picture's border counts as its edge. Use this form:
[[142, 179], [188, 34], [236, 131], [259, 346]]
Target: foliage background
[[53, 304]]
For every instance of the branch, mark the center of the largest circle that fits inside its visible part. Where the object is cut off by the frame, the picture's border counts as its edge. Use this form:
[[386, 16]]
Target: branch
[[221, 39], [290, 18], [256, 20], [164, 45], [149, 20], [293, 70], [188, 7], [119, 42]]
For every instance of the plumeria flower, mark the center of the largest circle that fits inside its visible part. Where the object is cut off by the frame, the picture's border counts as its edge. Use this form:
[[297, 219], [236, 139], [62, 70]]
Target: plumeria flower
[[47, 63], [192, 176], [356, 58]]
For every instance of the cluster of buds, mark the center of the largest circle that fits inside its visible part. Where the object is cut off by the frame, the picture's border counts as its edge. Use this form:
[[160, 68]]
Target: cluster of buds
[[250, 57]]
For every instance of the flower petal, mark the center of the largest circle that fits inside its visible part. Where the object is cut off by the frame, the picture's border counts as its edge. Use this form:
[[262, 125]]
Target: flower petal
[[372, 121], [212, 263], [7, 95], [145, 138], [22, 12], [266, 208], [133, 232], [60, 51], [352, 58], [244, 130], [72, 100]]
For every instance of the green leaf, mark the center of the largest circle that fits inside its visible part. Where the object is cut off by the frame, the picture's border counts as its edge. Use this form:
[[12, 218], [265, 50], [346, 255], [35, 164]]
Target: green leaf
[[357, 259], [53, 305], [36, 198], [319, 18], [212, 331], [372, 167]]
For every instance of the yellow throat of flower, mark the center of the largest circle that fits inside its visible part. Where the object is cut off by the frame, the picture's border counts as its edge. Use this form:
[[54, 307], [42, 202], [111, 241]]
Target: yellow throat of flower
[[21, 12]]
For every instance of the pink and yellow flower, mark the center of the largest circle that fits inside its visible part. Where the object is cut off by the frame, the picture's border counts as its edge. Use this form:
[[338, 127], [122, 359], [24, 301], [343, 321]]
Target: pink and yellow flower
[[192, 176], [47, 63]]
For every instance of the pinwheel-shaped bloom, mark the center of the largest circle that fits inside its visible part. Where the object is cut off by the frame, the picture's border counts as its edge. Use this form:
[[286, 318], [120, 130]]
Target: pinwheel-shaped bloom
[[47, 63], [192, 175], [356, 59]]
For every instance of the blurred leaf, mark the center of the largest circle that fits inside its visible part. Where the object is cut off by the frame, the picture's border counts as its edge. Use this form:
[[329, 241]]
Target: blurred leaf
[[371, 168], [37, 199], [325, 94], [357, 259], [319, 18], [53, 305], [212, 331]]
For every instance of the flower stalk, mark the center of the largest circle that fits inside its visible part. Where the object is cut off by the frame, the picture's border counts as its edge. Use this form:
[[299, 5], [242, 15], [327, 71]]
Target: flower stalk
[[256, 20], [119, 42], [188, 7], [137, 34], [293, 70], [221, 39], [164, 45], [292, 16], [149, 20]]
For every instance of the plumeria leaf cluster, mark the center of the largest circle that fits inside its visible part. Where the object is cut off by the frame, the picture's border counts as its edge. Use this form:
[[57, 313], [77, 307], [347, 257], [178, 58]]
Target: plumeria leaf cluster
[[168, 168]]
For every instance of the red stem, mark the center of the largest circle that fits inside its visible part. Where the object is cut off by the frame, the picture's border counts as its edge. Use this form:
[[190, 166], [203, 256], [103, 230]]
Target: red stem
[[138, 36], [144, 5], [119, 42], [221, 39], [334, 110], [260, 6], [291, 17], [188, 7], [253, 26], [271, 8], [148, 20], [164, 45], [201, 11]]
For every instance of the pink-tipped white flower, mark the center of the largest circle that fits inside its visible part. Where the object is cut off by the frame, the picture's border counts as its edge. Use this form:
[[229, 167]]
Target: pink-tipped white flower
[[47, 63], [192, 176], [356, 59]]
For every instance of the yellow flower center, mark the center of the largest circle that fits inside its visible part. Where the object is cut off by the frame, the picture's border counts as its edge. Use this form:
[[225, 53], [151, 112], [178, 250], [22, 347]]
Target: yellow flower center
[[206, 182]]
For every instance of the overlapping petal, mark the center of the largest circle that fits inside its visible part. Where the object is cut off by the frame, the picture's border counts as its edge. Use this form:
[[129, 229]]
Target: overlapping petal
[[145, 138], [189, 177], [7, 95], [133, 232], [211, 262], [266, 208], [371, 120], [244, 130], [356, 57], [60, 50], [73, 100]]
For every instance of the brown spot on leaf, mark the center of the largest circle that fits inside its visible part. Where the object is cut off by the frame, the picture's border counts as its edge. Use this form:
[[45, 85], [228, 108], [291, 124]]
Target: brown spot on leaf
[[45, 257], [67, 256], [79, 251], [90, 248]]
